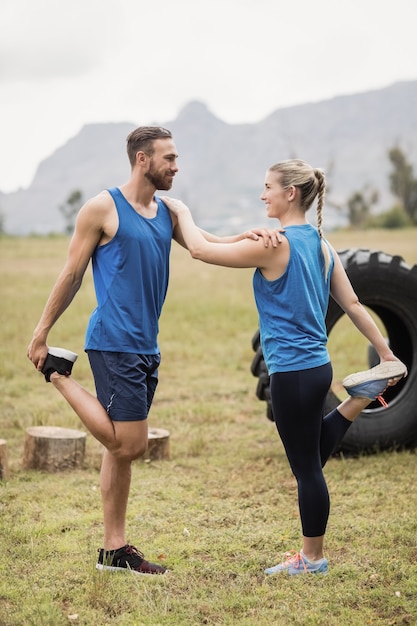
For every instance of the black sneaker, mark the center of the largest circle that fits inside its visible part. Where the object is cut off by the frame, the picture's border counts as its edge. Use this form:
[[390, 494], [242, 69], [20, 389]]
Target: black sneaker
[[58, 360], [125, 559]]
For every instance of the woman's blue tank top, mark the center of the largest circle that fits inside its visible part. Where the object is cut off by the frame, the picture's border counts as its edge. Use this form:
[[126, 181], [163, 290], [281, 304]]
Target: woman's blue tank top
[[131, 275], [292, 309]]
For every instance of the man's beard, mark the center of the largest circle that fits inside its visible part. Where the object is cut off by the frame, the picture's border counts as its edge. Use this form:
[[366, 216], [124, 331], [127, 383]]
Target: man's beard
[[159, 181]]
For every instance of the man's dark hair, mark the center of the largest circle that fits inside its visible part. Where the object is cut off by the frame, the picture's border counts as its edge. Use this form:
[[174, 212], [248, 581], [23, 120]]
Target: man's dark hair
[[142, 138]]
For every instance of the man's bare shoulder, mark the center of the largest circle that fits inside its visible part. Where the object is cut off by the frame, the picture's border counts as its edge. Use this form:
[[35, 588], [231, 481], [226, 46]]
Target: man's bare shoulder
[[98, 207], [101, 202], [98, 217]]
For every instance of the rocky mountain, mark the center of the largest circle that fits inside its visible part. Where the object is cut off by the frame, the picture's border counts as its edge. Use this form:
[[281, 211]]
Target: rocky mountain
[[222, 166]]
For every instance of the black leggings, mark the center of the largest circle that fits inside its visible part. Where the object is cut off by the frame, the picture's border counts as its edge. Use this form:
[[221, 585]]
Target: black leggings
[[308, 438]]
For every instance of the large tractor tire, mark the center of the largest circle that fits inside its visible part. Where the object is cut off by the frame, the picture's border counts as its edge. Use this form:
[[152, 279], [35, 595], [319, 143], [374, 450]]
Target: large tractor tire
[[387, 286]]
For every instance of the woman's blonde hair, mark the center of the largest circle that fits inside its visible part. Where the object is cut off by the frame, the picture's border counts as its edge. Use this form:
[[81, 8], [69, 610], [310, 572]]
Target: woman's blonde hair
[[311, 184]]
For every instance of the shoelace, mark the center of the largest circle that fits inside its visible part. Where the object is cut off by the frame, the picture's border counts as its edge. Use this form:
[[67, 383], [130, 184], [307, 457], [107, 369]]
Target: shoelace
[[132, 550], [379, 396], [382, 401], [295, 559]]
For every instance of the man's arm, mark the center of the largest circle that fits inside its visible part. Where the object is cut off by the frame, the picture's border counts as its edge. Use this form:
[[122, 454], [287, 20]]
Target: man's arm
[[87, 234], [268, 235]]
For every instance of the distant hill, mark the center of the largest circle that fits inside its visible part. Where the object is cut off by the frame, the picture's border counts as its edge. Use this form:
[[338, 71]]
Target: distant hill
[[222, 166]]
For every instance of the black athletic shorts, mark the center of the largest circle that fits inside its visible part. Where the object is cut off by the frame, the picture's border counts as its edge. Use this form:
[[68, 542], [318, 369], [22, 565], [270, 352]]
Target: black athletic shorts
[[125, 383]]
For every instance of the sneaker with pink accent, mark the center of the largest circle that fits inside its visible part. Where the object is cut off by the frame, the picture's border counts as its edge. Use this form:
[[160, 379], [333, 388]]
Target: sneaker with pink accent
[[297, 563], [372, 383]]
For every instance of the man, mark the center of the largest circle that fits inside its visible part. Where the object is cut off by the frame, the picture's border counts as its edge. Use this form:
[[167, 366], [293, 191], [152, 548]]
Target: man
[[127, 232]]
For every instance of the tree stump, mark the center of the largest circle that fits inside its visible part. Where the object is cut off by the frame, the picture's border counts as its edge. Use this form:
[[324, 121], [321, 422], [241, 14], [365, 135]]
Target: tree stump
[[158, 445], [52, 448], [4, 464]]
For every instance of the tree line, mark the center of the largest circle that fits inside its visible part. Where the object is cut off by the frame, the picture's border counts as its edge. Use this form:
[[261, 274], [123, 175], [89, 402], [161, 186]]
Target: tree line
[[403, 187]]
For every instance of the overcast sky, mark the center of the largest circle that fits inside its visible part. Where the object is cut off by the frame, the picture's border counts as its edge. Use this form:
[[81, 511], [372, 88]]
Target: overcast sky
[[67, 63]]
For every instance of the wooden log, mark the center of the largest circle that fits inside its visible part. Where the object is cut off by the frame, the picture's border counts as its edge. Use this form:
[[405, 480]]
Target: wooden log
[[52, 448], [158, 445], [4, 462]]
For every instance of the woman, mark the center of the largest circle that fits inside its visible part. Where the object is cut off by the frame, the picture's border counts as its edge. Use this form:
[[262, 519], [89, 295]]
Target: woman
[[292, 284]]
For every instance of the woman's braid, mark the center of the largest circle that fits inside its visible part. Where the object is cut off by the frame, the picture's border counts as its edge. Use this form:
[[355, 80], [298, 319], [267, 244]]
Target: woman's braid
[[321, 192]]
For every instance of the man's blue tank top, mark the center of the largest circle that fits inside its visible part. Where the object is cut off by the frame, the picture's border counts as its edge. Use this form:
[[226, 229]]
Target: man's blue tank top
[[131, 275], [292, 309]]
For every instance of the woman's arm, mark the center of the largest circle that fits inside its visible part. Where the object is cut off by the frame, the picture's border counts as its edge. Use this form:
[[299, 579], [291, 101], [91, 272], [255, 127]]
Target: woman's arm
[[342, 291], [238, 253]]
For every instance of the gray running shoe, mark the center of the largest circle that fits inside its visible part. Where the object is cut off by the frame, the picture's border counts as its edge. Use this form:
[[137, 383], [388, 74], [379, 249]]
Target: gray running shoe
[[372, 383]]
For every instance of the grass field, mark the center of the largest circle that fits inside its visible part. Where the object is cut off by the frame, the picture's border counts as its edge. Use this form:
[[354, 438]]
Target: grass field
[[223, 507]]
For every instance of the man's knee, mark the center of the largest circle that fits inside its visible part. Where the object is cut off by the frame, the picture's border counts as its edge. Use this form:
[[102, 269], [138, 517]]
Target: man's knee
[[130, 451], [137, 451], [130, 441]]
